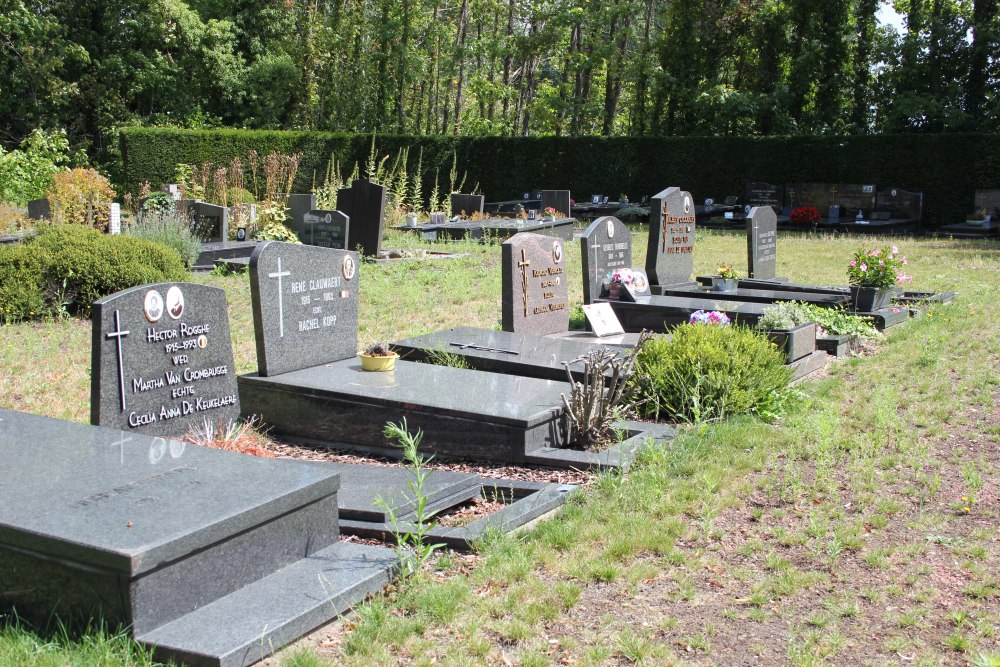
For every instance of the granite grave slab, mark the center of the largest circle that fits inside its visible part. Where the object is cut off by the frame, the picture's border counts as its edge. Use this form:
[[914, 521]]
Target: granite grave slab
[[162, 359], [209, 222], [327, 229], [161, 536], [535, 291], [669, 259], [305, 305], [560, 200], [493, 229], [605, 245], [364, 204], [759, 193], [762, 242], [467, 205]]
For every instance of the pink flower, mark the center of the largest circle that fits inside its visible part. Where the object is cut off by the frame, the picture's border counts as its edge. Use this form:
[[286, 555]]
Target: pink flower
[[864, 267], [875, 252], [904, 261], [853, 263], [881, 262], [895, 250]]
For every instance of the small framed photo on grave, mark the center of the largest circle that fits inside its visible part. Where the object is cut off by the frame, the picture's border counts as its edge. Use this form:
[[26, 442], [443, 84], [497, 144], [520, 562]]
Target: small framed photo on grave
[[595, 199], [532, 213], [602, 319], [639, 287], [605, 199], [241, 234], [526, 195]]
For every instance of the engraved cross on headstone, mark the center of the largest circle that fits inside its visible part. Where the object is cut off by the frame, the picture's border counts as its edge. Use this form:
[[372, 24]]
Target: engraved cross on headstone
[[121, 446], [118, 334], [279, 274], [833, 196], [664, 229], [524, 264]]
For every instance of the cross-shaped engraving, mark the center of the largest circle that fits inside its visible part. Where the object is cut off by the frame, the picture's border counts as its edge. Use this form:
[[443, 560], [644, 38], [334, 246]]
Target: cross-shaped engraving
[[121, 446], [524, 264], [118, 334], [833, 195], [279, 274], [982, 200], [663, 228]]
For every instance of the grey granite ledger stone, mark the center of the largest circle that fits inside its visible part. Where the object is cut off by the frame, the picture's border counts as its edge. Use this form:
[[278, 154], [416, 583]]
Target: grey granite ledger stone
[[669, 256], [162, 359], [535, 293], [305, 305], [762, 243], [605, 245]]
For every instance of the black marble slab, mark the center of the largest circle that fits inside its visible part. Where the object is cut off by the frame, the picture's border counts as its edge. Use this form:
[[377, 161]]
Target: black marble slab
[[496, 229], [754, 295], [661, 313]]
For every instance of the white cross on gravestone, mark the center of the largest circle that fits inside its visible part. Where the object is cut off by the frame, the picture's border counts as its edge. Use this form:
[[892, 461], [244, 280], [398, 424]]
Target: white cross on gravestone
[[121, 446], [279, 274], [118, 334]]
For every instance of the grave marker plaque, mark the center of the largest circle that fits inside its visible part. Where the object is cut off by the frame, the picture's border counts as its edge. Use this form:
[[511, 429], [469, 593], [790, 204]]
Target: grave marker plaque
[[162, 359], [606, 245], [328, 229], [903, 204], [209, 222], [364, 204], [300, 205], [765, 194], [535, 294], [762, 243], [669, 258], [467, 205], [305, 306], [557, 199]]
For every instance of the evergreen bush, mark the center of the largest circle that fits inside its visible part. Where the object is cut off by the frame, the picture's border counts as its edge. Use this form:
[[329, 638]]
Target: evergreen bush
[[21, 284], [166, 228], [710, 372]]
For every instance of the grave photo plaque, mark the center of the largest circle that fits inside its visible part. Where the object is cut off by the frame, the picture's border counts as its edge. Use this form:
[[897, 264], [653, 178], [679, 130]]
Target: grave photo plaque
[[162, 359], [305, 305], [605, 245], [669, 258], [762, 243], [535, 295]]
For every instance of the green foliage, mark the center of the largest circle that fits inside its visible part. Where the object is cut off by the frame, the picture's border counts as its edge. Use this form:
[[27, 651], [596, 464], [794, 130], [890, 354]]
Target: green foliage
[[710, 372], [946, 168], [159, 203], [834, 321], [775, 319], [65, 268], [169, 230], [26, 173]]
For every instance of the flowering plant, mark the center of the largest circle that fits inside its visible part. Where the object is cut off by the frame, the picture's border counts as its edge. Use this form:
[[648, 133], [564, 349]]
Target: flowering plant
[[710, 317], [551, 211], [621, 275], [805, 215], [727, 272], [877, 267]]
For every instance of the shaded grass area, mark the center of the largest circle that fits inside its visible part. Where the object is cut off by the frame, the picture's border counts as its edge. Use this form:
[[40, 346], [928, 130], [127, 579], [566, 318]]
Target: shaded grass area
[[861, 530]]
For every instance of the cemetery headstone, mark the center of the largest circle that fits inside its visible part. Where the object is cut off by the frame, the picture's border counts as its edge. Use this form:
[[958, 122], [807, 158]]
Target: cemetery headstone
[[162, 359], [209, 222], [765, 194], [669, 258], [903, 204], [602, 319], [988, 200], [605, 245], [639, 287], [364, 204], [557, 199], [173, 189], [535, 294], [114, 218], [328, 229], [468, 205], [300, 205], [39, 209], [762, 242], [305, 305]]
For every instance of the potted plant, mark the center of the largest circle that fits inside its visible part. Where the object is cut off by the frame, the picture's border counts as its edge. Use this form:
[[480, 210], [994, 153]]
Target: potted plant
[[779, 326], [549, 214], [872, 275], [978, 217], [378, 357], [805, 215], [617, 280], [726, 280]]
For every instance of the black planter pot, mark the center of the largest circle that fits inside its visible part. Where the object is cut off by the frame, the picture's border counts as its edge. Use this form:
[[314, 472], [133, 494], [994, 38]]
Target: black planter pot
[[796, 343], [869, 299]]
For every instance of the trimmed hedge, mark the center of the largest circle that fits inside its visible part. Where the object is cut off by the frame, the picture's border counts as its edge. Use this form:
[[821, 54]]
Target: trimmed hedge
[[68, 267], [947, 168]]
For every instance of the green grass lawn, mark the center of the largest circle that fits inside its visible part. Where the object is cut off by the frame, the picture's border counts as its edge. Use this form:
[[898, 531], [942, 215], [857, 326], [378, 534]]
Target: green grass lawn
[[863, 529]]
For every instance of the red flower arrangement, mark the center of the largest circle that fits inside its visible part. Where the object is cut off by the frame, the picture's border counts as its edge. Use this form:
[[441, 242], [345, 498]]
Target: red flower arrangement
[[805, 215]]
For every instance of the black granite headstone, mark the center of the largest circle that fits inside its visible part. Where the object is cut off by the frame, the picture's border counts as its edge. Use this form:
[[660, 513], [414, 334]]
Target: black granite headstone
[[298, 207], [328, 229], [669, 258], [535, 294], [903, 204], [162, 359], [467, 205], [209, 222], [605, 245], [39, 209], [765, 194], [364, 204], [305, 305], [558, 200], [762, 242]]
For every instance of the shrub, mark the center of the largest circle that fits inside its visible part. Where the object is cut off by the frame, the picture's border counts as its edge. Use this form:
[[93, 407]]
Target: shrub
[[75, 194], [158, 203], [710, 372], [65, 268], [25, 173], [169, 230], [835, 321]]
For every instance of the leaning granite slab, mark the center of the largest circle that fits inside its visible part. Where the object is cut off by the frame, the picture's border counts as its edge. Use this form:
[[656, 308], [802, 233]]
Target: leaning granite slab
[[661, 313], [368, 491], [212, 558]]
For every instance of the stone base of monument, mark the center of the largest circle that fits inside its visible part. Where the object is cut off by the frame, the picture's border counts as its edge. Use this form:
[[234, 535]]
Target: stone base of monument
[[809, 364], [463, 413], [212, 558], [364, 485], [838, 346], [214, 251], [885, 318]]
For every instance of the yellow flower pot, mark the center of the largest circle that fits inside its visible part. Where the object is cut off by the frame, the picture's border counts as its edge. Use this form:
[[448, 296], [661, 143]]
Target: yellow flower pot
[[373, 363]]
